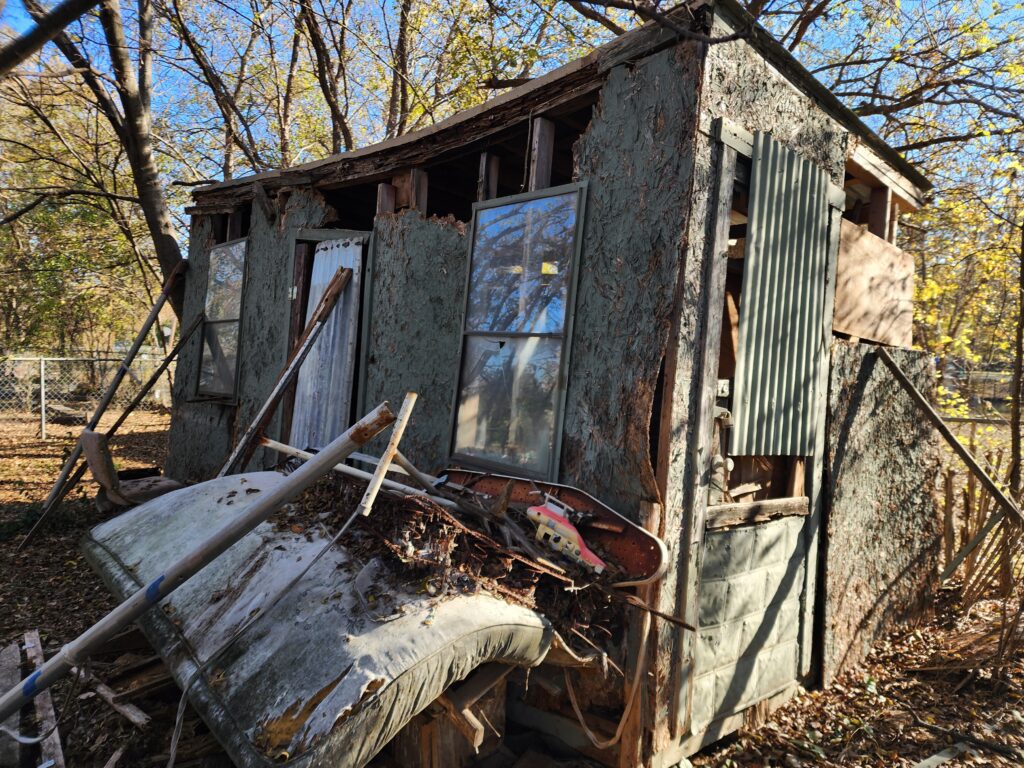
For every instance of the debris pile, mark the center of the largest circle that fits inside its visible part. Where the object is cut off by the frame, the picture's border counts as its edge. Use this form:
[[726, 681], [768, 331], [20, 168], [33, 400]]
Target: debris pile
[[446, 552]]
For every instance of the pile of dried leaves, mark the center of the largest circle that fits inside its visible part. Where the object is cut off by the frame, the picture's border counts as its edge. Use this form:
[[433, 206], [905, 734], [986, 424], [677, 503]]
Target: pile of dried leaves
[[907, 702], [446, 553]]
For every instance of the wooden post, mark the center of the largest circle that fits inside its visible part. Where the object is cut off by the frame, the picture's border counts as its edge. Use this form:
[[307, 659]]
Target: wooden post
[[542, 150], [49, 747], [386, 197], [879, 210], [411, 190], [487, 180]]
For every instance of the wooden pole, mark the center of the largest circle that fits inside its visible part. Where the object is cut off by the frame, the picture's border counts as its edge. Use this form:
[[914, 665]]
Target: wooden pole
[[246, 447], [1006, 506], [404, 413], [542, 152], [94, 638], [358, 474]]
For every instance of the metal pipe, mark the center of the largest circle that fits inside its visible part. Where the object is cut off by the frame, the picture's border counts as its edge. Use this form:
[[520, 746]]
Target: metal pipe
[[74, 653]]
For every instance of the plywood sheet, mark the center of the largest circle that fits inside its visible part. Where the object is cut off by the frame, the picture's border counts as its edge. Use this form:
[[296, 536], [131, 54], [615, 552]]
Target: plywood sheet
[[874, 288]]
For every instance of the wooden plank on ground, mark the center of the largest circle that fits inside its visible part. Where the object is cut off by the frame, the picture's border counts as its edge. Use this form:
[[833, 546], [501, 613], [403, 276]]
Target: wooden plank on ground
[[130, 712], [10, 676], [874, 288], [50, 746]]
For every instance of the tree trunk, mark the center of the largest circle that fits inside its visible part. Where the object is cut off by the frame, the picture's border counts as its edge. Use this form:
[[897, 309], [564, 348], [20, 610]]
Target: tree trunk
[[133, 129]]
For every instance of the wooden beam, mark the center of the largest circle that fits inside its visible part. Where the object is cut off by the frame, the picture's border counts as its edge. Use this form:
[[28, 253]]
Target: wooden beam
[[1006, 506], [726, 515], [542, 152], [879, 211], [411, 190], [262, 200], [487, 180], [386, 198], [49, 747]]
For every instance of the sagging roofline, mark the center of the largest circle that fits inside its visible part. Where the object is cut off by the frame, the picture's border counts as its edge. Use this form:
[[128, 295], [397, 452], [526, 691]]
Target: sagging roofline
[[572, 81]]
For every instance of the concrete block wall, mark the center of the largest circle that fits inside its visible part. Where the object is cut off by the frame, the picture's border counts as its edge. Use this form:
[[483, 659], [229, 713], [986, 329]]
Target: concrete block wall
[[750, 599]]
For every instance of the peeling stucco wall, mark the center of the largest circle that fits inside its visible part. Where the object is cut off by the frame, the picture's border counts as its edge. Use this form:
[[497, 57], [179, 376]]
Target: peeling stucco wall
[[741, 86], [884, 528], [637, 157], [202, 432], [418, 280]]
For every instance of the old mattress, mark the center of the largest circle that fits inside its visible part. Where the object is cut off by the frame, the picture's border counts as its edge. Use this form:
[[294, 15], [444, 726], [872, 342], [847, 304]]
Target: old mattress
[[337, 667]]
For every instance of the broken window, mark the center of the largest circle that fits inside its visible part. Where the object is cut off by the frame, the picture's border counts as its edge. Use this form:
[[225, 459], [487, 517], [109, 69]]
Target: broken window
[[219, 364], [518, 315]]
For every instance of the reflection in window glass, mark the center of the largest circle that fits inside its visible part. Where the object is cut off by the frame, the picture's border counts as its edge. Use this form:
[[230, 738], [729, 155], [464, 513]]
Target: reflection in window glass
[[507, 400], [219, 360], [521, 259], [223, 308], [521, 265], [224, 284]]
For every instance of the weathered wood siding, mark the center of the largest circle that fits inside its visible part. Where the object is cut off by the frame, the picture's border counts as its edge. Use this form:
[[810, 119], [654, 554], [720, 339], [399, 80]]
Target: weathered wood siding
[[417, 295], [884, 527], [202, 432]]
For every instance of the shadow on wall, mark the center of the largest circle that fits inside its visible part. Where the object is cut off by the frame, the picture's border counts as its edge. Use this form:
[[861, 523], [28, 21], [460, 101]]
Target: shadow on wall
[[883, 526]]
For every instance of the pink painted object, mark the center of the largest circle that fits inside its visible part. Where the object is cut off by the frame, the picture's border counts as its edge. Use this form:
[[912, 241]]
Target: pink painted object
[[555, 530]]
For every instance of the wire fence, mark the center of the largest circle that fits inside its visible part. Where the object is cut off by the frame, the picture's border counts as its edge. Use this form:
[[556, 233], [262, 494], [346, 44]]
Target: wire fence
[[66, 390]]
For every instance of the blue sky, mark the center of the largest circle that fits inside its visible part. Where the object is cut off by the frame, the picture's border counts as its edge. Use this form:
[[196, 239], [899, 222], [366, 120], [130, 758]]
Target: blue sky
[[13, 15]]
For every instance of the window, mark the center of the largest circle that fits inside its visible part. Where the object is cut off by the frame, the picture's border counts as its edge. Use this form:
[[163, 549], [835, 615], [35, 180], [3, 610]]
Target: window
[[523, 260], [219, 364]]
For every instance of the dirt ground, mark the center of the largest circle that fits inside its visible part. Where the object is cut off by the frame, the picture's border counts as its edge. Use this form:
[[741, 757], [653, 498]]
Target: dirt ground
[[886, 713]]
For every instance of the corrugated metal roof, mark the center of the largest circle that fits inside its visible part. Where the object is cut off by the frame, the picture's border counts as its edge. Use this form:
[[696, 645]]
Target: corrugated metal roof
[[781, 304]]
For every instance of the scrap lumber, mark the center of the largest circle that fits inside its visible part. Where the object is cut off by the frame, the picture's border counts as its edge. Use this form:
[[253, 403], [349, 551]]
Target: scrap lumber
[[1006, 506], [727, 515], [10, 675], [130, 712], [50, 745]]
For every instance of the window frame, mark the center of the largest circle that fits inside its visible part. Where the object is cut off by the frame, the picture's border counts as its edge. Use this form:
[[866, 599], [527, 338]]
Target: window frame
[[217, 397], [566, 335]]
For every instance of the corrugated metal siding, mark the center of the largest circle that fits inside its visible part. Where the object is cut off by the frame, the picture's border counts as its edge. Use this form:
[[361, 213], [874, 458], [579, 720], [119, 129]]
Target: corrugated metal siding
[[781, 304]]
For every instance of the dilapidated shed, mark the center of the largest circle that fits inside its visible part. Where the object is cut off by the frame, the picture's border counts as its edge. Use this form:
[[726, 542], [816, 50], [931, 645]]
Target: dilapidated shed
[[657, 274]]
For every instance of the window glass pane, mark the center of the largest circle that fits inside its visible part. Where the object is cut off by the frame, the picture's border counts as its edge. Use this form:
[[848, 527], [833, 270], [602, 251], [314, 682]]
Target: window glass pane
[[220, 352], [224, 284], [507, 400], [522, 258]]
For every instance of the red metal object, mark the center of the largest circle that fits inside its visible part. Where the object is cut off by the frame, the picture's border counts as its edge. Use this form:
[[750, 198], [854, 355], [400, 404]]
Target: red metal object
[[555, 530], [641, 555]]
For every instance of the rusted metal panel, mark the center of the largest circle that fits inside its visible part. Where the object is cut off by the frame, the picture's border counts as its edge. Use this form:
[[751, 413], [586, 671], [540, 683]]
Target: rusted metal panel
[[781, 304]]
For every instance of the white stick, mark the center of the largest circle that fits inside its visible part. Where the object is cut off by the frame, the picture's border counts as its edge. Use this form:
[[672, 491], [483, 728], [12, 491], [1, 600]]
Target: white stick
[[389, 453]]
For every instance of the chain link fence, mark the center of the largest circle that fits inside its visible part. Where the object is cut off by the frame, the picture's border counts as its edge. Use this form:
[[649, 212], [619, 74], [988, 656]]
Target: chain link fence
[[66, 390]]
